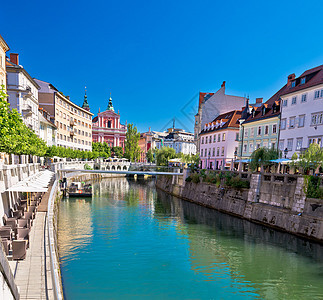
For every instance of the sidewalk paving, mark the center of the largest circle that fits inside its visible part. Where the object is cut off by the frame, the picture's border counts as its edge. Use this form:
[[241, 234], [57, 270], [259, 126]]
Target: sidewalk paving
[[33, 275]]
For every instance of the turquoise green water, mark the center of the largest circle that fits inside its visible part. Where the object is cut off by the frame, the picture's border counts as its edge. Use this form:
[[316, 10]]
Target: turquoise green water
[[132, 242]]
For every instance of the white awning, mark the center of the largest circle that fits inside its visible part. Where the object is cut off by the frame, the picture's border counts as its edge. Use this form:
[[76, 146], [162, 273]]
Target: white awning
[[36, 183]]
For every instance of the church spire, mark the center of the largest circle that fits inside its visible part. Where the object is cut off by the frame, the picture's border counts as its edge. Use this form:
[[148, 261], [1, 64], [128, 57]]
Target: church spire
[[110, 105], [85, 105]]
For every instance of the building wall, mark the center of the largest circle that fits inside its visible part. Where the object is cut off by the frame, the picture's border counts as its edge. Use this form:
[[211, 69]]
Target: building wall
[[217, 104], [250, 140], [3, 49], [295, 135], [74, 124], [219, 151], [23, 96], [107, 128], [47, 132]]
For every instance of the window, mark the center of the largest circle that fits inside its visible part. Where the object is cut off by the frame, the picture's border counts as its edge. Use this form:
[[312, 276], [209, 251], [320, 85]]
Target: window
[[213, 152], [266, 129], [290, 144], [250, 148], [285, 102], [252, 132], [259, 130], [222, 151], [223, 137], [218, 151], [303, 80], [210, 139], [283, 124], [281, 145], [299, 142], [294, 100], [258, 146], [202, 140], [237, 136], [206, 140], [246, 133], [293, 83], [205, 152], [316, 94], [245, 148], [301, 121], [317, 119], [292, 122], [201, 152], [274, 128], [304, 98], [315, 140], [214, 138]]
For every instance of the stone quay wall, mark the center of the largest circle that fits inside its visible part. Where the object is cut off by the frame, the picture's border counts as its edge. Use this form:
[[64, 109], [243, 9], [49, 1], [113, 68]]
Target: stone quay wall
[[274, 200]]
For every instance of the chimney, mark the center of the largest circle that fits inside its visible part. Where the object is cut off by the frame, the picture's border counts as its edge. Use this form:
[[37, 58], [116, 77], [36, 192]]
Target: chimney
[[67, 97], [290, 78], [149, 129], [259, 100], [223, 84], [14, 58]]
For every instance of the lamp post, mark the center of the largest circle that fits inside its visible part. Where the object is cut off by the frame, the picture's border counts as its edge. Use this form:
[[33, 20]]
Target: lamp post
[[285, 152]]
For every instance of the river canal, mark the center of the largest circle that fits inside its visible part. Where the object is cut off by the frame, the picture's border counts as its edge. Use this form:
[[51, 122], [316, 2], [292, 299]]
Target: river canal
[[131, 241]]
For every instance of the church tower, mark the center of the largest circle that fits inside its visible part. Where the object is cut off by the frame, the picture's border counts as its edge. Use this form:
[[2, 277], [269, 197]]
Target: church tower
[[85, 105]]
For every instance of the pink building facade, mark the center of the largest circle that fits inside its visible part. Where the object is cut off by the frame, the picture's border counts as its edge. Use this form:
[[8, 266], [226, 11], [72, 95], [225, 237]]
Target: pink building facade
[[219, 141], [106, 127]]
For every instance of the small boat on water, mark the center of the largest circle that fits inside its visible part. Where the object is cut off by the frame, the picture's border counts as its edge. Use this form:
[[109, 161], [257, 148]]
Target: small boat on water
[[77, 189]]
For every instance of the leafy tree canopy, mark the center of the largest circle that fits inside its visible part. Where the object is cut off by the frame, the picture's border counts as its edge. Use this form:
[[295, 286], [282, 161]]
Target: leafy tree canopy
[[132, 150]]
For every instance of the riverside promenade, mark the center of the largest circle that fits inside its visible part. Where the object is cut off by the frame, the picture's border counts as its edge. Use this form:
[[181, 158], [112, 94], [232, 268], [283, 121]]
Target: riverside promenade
[[33, 275]]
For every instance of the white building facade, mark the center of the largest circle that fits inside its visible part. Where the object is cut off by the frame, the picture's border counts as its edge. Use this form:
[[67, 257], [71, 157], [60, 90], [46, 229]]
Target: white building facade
[[180, 140], [47, 129], [302, 112], [23, 92]]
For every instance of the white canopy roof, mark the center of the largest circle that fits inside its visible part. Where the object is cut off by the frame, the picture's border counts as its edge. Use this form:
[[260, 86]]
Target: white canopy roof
[[36, 183]]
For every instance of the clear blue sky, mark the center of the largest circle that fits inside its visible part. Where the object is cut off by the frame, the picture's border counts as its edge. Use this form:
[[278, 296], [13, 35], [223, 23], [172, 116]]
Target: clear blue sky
[[155, 56]]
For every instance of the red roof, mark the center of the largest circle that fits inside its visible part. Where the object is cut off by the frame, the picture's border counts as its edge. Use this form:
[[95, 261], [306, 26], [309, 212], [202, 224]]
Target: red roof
[[231, 119], [312, 76]]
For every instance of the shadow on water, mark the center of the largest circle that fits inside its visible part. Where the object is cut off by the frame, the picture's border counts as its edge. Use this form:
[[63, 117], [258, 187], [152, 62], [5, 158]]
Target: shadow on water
[[238, 228]]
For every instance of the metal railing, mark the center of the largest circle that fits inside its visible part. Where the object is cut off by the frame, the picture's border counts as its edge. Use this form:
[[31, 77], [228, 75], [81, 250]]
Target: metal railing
[[56, 279]]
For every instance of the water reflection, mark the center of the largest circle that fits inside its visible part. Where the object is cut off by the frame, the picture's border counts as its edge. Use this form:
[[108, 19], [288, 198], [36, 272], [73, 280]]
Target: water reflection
[[277, 264], [75, 225], [130, 241]]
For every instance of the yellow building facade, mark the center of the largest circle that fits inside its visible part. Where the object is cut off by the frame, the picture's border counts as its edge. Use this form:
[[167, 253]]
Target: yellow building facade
[[3, 49]]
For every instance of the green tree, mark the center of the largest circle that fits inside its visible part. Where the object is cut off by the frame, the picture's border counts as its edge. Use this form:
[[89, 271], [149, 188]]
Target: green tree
[[150, 156], [164, 155], [312, 158], [117, 151], [132, 150], [15, 136], [262, 156]]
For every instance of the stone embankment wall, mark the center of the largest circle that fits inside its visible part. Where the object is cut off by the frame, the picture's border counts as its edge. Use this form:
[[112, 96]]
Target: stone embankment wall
[[273, 200]]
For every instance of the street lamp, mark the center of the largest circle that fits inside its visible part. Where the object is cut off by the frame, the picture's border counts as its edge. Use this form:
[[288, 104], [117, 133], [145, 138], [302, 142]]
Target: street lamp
[[285, 152]]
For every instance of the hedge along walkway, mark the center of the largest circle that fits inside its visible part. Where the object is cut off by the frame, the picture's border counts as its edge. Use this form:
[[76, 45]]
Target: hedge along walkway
[[33, 275]]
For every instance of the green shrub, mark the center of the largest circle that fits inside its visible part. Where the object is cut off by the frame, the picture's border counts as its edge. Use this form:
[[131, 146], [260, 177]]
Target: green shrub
[[195, 178], [87, 167], [188, 179], [313, 187]]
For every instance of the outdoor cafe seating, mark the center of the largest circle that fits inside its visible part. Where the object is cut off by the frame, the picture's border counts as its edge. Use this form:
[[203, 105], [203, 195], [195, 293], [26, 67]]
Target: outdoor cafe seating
[[18, 220]]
